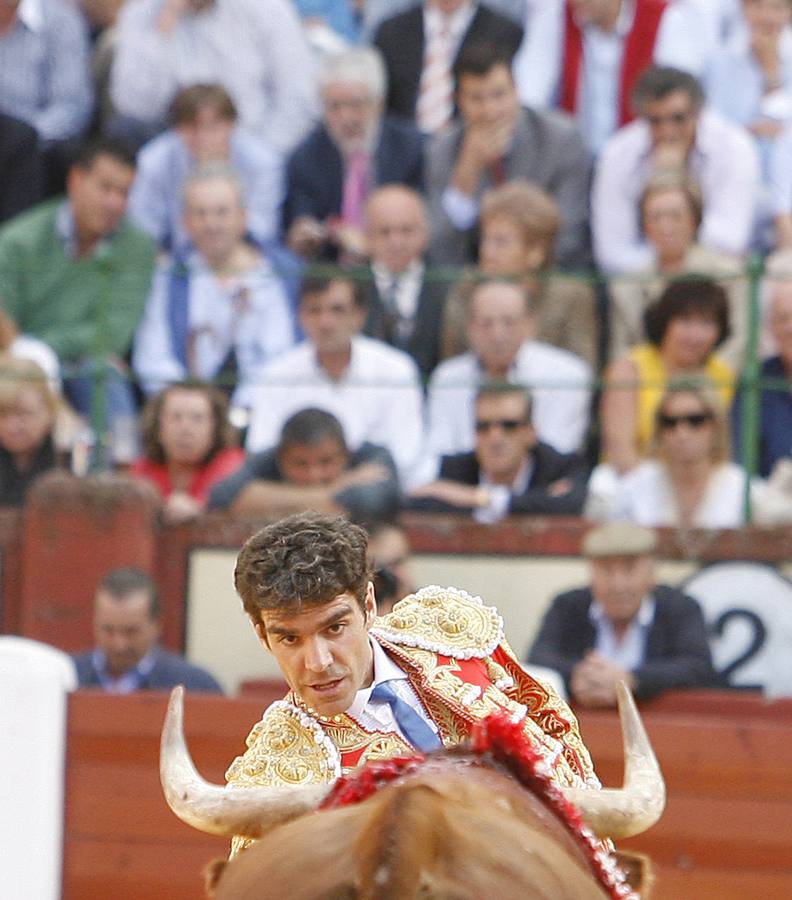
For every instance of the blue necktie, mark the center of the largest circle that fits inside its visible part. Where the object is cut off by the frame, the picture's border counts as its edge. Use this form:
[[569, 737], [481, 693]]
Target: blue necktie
[[412, 726]]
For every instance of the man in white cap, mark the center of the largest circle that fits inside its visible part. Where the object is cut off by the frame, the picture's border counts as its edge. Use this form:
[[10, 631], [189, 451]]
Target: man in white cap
[[623, 626]]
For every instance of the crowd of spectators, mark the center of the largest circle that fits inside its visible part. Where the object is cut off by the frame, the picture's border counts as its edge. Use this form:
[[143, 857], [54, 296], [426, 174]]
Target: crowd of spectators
[[446, 254]]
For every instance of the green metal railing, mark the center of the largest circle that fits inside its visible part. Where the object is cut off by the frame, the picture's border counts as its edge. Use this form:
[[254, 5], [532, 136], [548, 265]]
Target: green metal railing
[[750, 383]]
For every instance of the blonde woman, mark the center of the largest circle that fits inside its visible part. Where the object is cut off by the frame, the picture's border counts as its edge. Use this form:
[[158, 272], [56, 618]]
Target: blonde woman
[[689, 482], [519, 223], [28, 408]]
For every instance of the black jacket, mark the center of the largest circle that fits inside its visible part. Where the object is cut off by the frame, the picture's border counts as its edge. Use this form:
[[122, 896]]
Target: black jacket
[[423, 344], [677, 653], [549, 466], [400, 39]]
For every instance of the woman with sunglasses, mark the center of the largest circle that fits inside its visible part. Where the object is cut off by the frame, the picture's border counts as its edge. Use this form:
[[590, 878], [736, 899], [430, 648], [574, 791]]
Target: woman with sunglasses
[[684, 327], [690, 481]]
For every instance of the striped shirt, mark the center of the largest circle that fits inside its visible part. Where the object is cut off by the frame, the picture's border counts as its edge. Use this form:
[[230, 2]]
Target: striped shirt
[[45, 69]]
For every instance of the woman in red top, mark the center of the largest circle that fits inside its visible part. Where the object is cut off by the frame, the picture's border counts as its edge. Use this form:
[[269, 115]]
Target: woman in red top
[[188, 447]]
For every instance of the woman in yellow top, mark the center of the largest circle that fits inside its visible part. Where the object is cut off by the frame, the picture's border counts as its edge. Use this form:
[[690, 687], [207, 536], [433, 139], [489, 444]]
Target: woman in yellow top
[[684, 327]]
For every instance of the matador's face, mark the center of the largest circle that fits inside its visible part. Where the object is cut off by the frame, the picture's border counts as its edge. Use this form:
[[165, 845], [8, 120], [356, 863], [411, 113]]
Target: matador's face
[[323, 651]]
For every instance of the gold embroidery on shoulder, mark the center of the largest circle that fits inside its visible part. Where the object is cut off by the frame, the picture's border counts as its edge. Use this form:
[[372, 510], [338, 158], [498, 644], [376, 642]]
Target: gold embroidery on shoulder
[[448, 621], [287, 747]]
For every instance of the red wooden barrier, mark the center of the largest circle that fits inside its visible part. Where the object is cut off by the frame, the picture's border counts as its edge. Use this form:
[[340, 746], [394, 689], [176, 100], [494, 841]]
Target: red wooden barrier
[[725, 833], [75, 531]]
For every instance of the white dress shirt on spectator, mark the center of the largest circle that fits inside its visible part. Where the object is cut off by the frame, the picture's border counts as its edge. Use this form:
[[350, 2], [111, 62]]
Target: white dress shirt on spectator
[[377, 399], [723, 161], [560, 385]]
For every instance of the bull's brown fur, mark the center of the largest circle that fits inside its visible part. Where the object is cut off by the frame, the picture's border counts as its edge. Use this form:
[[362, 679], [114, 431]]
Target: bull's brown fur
[[450, 833]]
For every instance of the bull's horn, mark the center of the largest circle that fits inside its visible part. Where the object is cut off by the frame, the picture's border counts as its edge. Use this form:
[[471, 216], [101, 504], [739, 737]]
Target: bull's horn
[[639, 804], [223, 810]]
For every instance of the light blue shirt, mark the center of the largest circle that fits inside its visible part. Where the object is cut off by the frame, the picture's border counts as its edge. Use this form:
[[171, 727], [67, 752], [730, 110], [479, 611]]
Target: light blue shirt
[[735, 87], [629, 652], [257, 50], [128, 682], [45, 69], [598, 112], [378, 715], [156, 199]]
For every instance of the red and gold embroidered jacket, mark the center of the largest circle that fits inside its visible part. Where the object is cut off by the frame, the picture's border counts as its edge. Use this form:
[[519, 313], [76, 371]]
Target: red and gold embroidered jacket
[[453, 649]]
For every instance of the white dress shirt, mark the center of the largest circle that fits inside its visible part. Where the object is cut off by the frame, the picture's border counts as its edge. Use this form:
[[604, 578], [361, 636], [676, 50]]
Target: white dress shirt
[[378, 715], [257, 50], [723, 161], [560, 385], [377, 399], [645, 496], [500, 494], [457, 23]]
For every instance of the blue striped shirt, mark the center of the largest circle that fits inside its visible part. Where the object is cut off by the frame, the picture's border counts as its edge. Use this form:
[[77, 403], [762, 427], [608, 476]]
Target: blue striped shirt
[[45, 69]]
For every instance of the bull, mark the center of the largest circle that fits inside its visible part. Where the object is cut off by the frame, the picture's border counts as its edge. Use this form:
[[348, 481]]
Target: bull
[[461, 824]]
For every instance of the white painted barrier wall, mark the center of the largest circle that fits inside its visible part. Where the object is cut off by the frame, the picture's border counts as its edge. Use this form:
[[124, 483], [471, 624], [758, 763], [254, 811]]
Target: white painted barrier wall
[[34, 682]]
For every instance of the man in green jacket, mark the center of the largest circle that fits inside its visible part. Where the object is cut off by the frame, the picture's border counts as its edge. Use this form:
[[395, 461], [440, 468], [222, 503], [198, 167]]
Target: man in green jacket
[[75, 273]]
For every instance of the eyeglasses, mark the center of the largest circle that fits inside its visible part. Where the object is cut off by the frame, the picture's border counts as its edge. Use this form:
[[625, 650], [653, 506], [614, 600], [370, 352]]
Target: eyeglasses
[[507, 425], [693, 420], [675, 118]]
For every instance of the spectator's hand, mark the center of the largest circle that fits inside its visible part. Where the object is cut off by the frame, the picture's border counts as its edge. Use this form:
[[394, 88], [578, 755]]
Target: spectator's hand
[[351, 242], [766, 128], [669, 155], [464, 496], [781, 476], [594, 680], [481, 147], [367, 473], [306, 236], [559, 488], [179, 507], [171, 12]]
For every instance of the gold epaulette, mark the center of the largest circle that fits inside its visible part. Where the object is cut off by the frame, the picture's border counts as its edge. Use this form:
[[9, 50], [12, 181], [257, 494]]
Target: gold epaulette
[[286, 747], [447, 621]]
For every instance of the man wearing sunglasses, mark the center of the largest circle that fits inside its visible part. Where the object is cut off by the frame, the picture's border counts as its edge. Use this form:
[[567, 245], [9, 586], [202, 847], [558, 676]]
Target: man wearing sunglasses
[[674, 131], [510, 471], [623, 625]]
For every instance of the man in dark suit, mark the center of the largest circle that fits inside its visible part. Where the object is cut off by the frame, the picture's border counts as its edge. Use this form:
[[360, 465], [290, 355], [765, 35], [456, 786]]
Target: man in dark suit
[[405, 308], [510, 471], [402, 40], [494, 141], [623, 626], [126, 629], [354, 149]]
